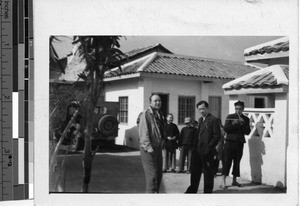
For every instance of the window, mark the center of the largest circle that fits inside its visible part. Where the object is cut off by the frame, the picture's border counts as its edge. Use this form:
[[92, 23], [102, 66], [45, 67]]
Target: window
[[123, 109], [186, 108], [259, 102]]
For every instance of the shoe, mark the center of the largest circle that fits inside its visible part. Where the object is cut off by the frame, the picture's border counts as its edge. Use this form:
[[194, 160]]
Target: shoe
[[223, 187], [172, 170], [188, 172], [164, 171], [180, 171], [236, 184]]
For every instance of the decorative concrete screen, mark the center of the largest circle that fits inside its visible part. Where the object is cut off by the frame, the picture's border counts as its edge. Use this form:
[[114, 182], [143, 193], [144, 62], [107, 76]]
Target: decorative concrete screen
[[261, 121]]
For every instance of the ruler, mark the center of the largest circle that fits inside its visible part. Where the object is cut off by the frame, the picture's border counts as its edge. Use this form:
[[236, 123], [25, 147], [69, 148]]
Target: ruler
[[16, 76]]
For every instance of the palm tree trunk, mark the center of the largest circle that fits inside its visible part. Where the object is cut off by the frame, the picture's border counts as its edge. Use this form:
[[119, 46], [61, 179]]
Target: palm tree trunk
[[88, 155]]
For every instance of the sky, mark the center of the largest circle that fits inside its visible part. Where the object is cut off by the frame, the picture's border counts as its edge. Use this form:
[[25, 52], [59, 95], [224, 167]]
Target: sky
[[217, 47]]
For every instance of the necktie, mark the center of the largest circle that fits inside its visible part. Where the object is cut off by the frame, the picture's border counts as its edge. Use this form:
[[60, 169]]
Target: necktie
[[200, 126]]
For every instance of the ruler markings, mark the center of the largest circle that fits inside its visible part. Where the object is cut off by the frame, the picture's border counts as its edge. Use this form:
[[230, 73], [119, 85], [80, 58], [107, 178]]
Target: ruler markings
[[19, 78], [8, 17]]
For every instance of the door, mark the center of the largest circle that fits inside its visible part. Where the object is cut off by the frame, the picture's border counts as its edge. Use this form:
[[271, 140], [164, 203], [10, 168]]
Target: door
[[164, 103], [215, 103]]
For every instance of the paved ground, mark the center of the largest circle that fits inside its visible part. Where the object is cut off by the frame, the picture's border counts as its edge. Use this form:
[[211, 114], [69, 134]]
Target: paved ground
[[120, 171]]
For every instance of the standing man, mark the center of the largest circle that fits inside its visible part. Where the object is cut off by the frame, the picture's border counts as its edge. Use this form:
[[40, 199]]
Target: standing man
[[151, 133], [170, 144], [185, 142], [204, 150], [236, 126]]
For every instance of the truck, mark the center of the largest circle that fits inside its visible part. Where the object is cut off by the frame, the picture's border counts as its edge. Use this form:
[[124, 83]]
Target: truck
[[105, 129]]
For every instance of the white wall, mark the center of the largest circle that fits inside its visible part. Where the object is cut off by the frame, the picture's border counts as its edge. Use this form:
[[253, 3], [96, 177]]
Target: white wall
[[133, 89], [264, 159], [276, 146], [138, 91]]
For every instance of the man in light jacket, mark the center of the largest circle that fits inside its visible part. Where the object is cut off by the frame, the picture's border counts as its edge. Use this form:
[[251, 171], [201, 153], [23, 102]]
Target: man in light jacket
[[151, 133]]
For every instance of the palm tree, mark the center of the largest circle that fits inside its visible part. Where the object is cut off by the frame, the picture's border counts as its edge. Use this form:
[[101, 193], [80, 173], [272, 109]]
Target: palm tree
[[100, 53]]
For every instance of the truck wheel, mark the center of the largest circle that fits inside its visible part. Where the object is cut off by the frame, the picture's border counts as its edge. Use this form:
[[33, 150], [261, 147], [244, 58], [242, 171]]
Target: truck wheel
[[108, 125]]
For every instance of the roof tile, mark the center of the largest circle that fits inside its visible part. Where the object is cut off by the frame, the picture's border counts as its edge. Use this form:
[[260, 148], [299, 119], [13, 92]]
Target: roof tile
[[190, 66], [264, 78], [281, 46]]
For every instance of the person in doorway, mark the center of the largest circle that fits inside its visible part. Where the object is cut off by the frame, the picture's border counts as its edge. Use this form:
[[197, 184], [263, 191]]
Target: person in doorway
[[151, 133], [170, 144], [208, 136], [236, 127], [185, 143]]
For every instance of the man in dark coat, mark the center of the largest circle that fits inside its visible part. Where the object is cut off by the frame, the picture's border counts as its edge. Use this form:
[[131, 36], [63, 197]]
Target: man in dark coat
[[236, 126], [185, 143], [204, 150]]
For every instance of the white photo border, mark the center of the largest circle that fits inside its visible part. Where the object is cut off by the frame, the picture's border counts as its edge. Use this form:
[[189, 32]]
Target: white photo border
[[156, 17]]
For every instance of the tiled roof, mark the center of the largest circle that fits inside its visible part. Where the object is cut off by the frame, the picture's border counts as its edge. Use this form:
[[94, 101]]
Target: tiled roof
[[268, 77], [162, 63], [144, 49], [285, 69], [130, 69], [281, 44]]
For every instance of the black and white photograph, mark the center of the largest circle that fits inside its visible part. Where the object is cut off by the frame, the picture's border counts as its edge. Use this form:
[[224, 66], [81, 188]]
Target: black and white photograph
[[166, 103], [101, 87]]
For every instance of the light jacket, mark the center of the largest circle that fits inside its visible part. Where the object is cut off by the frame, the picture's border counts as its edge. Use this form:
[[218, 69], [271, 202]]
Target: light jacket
[[149, 133]]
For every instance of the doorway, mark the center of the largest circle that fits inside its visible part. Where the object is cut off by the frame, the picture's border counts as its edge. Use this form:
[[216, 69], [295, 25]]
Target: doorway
[[215, 103], [164, 103]]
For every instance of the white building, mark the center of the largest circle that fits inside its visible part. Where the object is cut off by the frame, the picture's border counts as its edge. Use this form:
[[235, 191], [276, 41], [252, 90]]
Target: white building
[[265, 93], [181, 81]]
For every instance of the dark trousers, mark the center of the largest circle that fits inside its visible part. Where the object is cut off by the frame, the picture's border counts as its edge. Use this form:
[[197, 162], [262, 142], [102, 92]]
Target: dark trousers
[[169, 158], [199, 165], [152, 164], [233, 152], [186, 152]]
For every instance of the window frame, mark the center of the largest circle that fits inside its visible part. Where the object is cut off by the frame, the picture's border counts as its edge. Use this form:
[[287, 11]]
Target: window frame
[[122, 110], [186, 108]]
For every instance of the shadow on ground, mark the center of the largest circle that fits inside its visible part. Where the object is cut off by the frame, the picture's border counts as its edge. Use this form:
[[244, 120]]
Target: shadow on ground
[[118, 170], [115, 170]]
